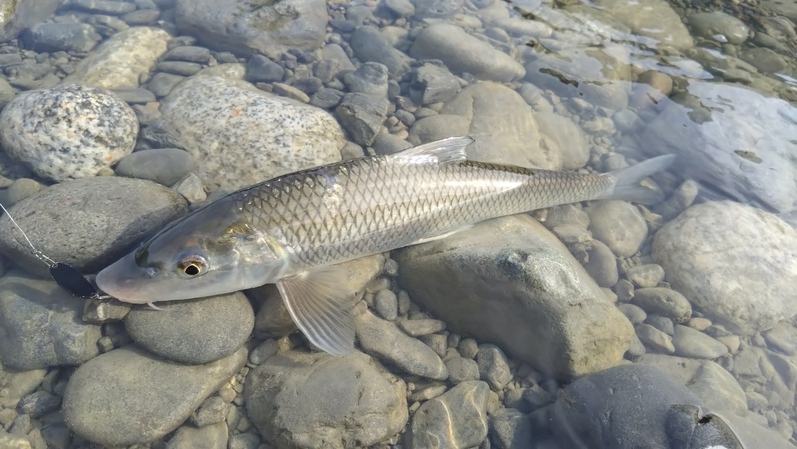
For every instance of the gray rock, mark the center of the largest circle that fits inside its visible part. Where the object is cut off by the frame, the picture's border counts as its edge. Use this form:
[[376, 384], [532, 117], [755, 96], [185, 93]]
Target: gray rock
[[141, 17], [715, 386], [254, 28], [214, 410], [102, 6], [552, 297], [162, 84], [764, 59], [461, 369], [260, 69], [663, 301], [52, 37], [88, 129], [191, 188], [123, 59], [334, 52], [695, 344], [386, 304], [763, 174], [619, 225], [19, 15], [719, 26], [625, 406], [263, 351], [510, 429], [134, 95], [402, 8], [165, 166], [602, 264], [213, 436], [123, 210], [389, 144], [244, 441], [436, 127], [383, 340], [19, 384], [362, 116], [689, 426], [56, 435], [572, 142], [782, 337], [7, 92], [661, 323], [369, 79], [457, 418], [433, 83], [302, 136], [38, 404], [514, 141], [733, 261], [313, 400], [645, 276], [419, 327], [308, 85], [655, 19], [40, 325], [195, 331], [493, 366], [128, 396], [461, 53], [181, 68], [752, 434], [369, 45], [326, 98], [634, 314], [21, 188], [655, 338], [189, 53]]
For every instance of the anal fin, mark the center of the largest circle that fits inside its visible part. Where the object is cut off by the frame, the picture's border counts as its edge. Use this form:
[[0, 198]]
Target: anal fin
[[317, 301]]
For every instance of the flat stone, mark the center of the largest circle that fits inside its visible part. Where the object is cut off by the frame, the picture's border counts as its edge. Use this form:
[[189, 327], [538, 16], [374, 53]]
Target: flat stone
[[433, 83], [645, 276], [655, 338], [53, 37], [461, 369], [619, 225], [362, 116], [129, 396], [369, 45], [419, 327], [165, 166], [189, 53], [695, 344], [719, 26], [20, 15], [493, 366], [213, 436], [457, 418], [663, 301]]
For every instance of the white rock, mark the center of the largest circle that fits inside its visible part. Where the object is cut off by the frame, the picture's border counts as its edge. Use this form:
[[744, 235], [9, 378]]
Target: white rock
[[735, 262], [68, 131], [240, 135]]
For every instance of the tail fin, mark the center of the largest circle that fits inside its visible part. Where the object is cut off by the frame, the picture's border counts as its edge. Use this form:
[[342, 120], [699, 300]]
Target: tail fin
[[626, 181]]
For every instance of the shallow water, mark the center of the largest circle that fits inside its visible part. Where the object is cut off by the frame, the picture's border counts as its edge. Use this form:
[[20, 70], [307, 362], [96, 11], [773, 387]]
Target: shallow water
[[602, 324]]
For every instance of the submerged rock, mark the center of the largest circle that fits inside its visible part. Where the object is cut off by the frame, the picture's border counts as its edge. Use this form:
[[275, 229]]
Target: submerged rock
[[301, 400], [17, 15], [457, 418], [510, 282]]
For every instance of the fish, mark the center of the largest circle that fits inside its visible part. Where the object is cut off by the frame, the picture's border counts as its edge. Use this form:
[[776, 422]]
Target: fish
[[295, 230]]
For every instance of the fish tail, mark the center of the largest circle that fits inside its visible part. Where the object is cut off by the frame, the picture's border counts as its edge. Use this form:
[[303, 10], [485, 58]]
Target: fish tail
[[626, 181]]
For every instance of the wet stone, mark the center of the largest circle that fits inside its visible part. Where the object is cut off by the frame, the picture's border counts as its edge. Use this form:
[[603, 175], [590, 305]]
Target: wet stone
[[510, 429], [369, 79], [619, 225], [102, 6], [695, 344], [165, 166], [432, 83], [362, 116], [193, 331], [428, 393], [457, 418], [21, 188], [129, 396], [493, 366], [285, 90], [383, 340], [181, 68], [468, 348], [191, 188], [244, 441], [661, 323], [189, 53], [635, 314], [141, 17], [369, 45], [309, 85], [134, 95], [326, 98], [782, 337], [38, 404], [212, 411], [213, 436], [263, 351], [53, 37], [602, 264], [425, 326], [645, 276], [386, 304], [654, 338], [162, 84], [461, 369], [663, 301]]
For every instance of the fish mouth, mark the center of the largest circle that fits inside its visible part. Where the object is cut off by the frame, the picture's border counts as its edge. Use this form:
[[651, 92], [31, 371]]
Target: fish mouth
[[123, 281]]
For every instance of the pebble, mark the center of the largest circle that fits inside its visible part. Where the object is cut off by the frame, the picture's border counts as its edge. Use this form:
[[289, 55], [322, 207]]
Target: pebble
[[21, 188], [181, 68], [369, 45], [165, 166], [190, 53], [156, 396], [41, 324], [141, 17], [661, 323], [782, 337], [263, 351], [602, 264], [53, 37], [302, 136], [635, 314], [432, 83], [699, 323], [134, 95], [695, 344], [191, 188], [383, 340], [420, 327], [213, 436], [645, 276], [663, 301], [162, 83], [363, 404], [457, 418], [89, 129], [38, 404], [369, 79], [468, 348], [244, 441], [511, 429], [719, 26], [326, 98], [386, 304], [194, 331], [461, 369], [291, 92], [493, 366], [655, 338], [212, 411], [362, 116], [123, 211], [619, 225]]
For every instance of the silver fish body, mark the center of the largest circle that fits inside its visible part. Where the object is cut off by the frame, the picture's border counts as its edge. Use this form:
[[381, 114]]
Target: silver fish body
[[294, 229]]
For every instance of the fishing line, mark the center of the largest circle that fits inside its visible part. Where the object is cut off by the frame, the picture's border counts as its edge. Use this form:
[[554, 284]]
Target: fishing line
[[65, 275]]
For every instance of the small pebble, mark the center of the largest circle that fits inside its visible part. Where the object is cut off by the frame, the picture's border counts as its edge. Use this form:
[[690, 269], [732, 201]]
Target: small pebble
[[648, 275], [635, 314], [290, 92], [655, 338], [661, 323], [39, 403], [428, 393], [213, 410], [386, 304], [264, 351], [468, 348], [417, 328], [461, 369], [699, 323]]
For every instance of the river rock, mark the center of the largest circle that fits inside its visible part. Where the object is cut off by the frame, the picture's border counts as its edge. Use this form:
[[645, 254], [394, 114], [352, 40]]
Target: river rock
[[433, 83], [719, 26], [736, 262], [213, 436], [196, 331], [166, 166], [457, 418], [572, 142], [752, 164], [129, 396], [87, 129], [510, 281], [122, 211], [249, 28], [21, 14], [52, 37], [461, 52], [302, 400], [40, 324], [663, 301], [493, 366], [123, 59], [510, 429], [651, 18], [369, 45], [694, 344], [260, 134], [619, 225]]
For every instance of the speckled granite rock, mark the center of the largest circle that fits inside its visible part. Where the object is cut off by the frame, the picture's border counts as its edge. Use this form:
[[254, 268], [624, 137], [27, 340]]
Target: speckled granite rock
[[68, 131], [123, 59], [240, 135]]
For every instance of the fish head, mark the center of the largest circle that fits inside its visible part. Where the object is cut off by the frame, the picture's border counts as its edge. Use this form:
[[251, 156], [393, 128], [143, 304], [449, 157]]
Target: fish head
[[208, 252]]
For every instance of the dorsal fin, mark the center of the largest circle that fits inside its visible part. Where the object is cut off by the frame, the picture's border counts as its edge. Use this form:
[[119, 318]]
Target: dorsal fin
[[450, 149]]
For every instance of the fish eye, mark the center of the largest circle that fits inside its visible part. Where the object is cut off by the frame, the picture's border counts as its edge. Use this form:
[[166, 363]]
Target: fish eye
[[192, 265]]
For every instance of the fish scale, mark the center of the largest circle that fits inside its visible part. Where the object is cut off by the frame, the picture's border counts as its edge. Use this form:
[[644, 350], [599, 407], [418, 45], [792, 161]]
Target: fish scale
[[366, 206]]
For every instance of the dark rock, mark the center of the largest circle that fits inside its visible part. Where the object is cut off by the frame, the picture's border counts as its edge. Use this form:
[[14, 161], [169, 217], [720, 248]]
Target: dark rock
[[165, 166], [181, 68], [39, 403], [188, 53], [369, 45], [262, 69], [433, 83], [135, 95], [362, 116], [309, 85], [369, 79], [326, 98], [52, 37], [510, 429], [162, 84]]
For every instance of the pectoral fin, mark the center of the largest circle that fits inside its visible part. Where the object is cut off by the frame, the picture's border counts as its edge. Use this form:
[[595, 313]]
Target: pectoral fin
[[317, 302]]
